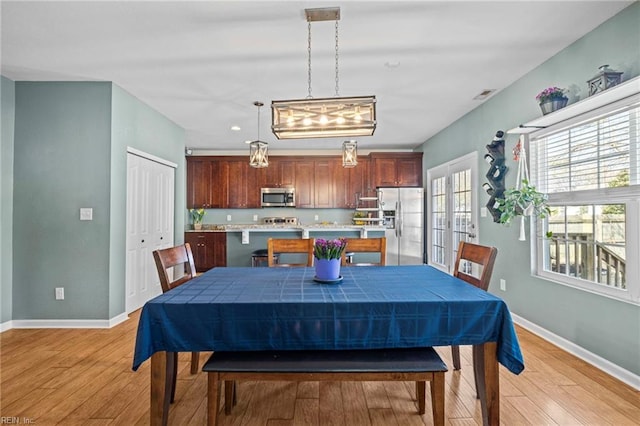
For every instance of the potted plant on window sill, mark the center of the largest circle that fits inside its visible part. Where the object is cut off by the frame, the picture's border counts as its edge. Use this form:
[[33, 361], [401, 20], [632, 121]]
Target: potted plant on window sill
[[196, 216], [522, 202]]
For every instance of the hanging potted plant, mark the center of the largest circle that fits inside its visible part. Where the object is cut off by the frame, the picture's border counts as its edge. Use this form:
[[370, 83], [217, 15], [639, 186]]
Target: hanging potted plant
[[524, 200], [196, 216]]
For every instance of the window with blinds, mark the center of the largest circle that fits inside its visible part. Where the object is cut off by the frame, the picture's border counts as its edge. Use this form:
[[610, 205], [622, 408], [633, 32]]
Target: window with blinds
[[600, 153], [590, 169]]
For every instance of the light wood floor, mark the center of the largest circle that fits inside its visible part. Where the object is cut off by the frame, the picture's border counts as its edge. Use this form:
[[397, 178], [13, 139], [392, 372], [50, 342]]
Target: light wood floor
[[84, 377]]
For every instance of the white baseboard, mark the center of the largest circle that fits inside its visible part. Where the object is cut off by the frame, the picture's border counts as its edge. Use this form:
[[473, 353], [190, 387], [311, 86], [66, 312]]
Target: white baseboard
[[64, 323], [8, 325], [608, 367]]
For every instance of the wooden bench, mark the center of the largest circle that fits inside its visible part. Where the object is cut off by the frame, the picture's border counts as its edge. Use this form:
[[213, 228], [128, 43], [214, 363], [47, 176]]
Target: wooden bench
[[415, 364]]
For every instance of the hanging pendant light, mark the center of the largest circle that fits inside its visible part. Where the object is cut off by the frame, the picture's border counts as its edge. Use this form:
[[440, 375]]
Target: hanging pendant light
[[349, 154], [323, 117], [258, 150]]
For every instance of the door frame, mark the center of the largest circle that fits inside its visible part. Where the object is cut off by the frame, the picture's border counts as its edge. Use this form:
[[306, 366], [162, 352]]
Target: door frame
[[467, 161]]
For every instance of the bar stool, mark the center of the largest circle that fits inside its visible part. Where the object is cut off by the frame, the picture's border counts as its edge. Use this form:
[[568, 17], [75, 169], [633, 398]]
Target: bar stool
[[260, 257], [349, 256]]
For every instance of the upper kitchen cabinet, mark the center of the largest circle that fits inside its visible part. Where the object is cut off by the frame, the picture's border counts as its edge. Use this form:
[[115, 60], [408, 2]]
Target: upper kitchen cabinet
[[350, 183], [204, 186], [396, 169], [305, 183], [280, 173], [326, 171], [241, 181]]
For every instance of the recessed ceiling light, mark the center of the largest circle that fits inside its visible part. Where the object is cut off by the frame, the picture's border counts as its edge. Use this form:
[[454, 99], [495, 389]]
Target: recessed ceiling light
[[392, 64], [248, 142], [236, 128], [484, 94]]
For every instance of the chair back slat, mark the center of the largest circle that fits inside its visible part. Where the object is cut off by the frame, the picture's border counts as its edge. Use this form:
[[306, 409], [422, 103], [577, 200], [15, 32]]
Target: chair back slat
[[290, 246], [366, 245], [483, 256], [169, 258]]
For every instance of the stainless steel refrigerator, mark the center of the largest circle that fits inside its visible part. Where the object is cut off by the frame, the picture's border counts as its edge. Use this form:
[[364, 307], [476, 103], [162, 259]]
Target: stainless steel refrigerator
[[403, 216]]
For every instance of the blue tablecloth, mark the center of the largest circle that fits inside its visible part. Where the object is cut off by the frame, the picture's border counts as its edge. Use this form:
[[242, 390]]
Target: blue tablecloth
[[246, 309]]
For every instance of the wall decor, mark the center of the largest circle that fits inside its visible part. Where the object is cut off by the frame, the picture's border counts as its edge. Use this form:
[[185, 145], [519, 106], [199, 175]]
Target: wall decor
[[496, 173], [552, 99], [605, 79]]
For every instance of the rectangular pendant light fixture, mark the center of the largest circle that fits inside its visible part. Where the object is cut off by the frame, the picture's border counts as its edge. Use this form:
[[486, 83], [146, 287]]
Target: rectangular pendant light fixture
[[324, 117]]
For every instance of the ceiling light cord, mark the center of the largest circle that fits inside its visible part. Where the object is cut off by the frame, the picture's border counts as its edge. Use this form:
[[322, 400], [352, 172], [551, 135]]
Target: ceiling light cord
[[309, 60], [337, 78]]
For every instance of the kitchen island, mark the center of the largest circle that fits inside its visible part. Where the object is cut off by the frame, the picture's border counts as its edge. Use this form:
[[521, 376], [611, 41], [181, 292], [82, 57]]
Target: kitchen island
[[243, 239]]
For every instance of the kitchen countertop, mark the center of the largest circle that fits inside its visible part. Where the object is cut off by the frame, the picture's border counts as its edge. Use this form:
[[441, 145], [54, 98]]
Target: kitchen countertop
[[286, 228]]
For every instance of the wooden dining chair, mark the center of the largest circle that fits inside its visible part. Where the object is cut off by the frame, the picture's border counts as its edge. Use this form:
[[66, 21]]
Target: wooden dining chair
[[289, 246], [170, 262], [366, 245], [474, 264]]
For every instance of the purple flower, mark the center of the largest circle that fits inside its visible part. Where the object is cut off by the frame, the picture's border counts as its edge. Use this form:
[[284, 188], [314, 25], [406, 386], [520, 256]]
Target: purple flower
[[550, 93], [329, 249]]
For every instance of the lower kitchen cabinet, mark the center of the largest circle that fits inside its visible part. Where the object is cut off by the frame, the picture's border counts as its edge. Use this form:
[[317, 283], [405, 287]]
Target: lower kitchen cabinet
[[209, 249]]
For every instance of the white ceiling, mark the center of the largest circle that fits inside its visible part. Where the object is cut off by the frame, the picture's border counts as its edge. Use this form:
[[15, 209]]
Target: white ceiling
[[203, 64]]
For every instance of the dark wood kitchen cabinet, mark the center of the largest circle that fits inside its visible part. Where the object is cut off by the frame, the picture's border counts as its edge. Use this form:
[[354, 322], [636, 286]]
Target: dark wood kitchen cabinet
[[209, 249], [396, 169], [241, 181], [280, 173], [350, 183], [204, 186], [324, 182], [305, 183]]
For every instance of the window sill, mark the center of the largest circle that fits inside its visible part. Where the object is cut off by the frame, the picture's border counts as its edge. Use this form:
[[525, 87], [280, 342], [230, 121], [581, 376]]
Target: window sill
[[618, 295]]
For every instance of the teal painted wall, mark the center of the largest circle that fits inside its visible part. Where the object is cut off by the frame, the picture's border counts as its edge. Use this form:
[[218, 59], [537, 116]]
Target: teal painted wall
[[71, 152], [7, 107], [605, 327], [136, 125], [62, 150]]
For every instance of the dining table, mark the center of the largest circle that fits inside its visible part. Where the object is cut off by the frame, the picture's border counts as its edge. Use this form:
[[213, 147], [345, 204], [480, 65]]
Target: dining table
[[372, 307]]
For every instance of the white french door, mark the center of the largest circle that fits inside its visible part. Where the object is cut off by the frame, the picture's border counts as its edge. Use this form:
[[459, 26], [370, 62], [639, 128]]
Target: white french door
[[150, 225], [452, 209]]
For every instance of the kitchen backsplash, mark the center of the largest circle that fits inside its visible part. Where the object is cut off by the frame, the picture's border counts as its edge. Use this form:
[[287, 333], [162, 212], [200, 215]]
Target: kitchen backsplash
[[305, 216]]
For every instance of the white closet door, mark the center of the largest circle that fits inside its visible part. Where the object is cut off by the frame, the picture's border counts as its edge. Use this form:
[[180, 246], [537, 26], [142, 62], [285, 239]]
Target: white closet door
[[150, 218]]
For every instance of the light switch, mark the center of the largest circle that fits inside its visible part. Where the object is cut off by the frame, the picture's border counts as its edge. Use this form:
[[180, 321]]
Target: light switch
[[483, 212], [86, 213]]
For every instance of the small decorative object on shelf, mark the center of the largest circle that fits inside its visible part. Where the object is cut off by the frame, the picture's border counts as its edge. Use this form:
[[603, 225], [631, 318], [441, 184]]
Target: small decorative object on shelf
[[327, 255], [552, 99], [197, 215], [605, 79], [496, 173]]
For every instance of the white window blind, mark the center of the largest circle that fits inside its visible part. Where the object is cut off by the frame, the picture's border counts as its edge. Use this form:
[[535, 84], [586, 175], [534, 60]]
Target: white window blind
[[601, 152]]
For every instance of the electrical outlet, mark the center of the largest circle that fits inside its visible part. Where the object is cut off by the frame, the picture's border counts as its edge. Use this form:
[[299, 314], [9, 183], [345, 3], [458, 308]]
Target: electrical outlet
[[255, 217], [503, 284], [59, 293], [315, 217], [228, 218]]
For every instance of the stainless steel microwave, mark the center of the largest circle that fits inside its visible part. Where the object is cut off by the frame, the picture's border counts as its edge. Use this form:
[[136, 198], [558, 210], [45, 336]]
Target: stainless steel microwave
[[278, 197]]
